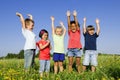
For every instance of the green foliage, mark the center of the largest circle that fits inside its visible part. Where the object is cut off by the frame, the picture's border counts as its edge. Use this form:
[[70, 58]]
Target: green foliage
[[108, 69]]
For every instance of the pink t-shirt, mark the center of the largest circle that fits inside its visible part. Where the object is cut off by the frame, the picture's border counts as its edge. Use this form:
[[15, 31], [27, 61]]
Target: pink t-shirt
[[74, 39], [44, 54]]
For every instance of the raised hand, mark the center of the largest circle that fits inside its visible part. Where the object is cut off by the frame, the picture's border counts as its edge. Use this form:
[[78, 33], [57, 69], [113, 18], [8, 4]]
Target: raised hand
[[74, 13], [84, 19], [97, 21], [30, 16], [52, 18], [18, 14], [61, 23], [68, 13]]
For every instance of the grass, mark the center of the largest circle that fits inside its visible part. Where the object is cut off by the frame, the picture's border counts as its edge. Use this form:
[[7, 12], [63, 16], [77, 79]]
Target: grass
[[108, 69]]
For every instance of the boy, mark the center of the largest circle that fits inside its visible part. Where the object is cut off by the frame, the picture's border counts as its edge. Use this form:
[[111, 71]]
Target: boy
[[90, 45], [30, 44]]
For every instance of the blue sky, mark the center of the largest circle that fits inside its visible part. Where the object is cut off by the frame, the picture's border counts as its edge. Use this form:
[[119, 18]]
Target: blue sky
[[108, 11]]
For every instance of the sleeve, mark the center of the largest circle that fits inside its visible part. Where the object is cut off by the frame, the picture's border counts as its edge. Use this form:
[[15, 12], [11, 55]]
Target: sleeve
[[24, 32], [69, 32], [96, 35], [84, 34]]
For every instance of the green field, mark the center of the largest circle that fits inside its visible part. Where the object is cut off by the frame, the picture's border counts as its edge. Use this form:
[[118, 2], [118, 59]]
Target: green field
[[108, 69]]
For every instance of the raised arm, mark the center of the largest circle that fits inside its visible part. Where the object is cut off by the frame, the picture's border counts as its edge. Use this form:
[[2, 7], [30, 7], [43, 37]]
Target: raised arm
[[84, 25], [75, 18], [30, 16], [44, 46], [68, 19], [21, 19], [98, 26], [64, 29], [53, 28]]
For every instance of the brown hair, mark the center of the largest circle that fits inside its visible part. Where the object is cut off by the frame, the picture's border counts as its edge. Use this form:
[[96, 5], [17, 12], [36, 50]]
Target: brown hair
[[27, 21], [90, 27]]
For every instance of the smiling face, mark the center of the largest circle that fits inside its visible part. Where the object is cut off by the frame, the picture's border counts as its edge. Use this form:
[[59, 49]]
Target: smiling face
[[90, 29], [91, 32], [73, 27], [58, 31], [45, 36]]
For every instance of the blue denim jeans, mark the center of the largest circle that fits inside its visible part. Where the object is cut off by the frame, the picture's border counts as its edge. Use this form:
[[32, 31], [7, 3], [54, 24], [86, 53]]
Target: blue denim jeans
[[90, 57], [44, 66], [74, 52], [28, 56]]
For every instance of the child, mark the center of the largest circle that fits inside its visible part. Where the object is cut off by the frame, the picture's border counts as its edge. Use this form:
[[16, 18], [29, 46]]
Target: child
[[44, 55], [74, 43], [90, 45], [58, 35], [30, 44]]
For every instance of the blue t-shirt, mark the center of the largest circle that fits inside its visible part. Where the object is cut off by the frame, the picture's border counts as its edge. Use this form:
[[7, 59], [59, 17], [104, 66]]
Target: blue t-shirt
[[90, 41]]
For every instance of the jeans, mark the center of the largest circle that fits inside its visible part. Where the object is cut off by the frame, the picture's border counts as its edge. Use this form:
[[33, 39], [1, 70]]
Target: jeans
[[90, 57], [28, 56], [44, 66]]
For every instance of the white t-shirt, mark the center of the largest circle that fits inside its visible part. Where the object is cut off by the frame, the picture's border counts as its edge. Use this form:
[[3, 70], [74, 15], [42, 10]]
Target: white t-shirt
[[30, 42]]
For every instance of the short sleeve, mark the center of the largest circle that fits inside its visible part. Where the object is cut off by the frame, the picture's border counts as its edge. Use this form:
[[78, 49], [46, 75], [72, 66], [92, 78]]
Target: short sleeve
[[96, 35], [84, 34]]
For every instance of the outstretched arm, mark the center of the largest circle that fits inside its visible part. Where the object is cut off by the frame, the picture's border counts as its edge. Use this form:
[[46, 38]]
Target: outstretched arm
[[30, 16], [98, 26], [68, 19], [75, 18], [64, 29], [84, 25], [21, 19], [53, 28]]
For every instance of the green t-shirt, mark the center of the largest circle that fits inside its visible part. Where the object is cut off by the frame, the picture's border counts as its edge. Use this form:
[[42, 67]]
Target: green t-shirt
[[58, 43]]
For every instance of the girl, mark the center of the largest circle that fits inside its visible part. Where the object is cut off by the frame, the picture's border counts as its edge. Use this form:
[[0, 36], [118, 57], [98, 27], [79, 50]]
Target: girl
[[44, 55], [74, 43], [58, 34]]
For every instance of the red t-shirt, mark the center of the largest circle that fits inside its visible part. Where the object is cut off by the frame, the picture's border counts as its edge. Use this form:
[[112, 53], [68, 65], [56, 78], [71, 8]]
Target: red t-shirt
[[44, 54], [74, 39]]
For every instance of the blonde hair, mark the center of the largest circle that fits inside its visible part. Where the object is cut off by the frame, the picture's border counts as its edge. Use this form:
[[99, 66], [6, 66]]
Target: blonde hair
[[59, 27], [27, 22]]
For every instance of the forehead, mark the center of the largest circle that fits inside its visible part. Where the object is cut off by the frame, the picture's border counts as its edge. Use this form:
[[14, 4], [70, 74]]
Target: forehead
[[58, 29], [45, 33]]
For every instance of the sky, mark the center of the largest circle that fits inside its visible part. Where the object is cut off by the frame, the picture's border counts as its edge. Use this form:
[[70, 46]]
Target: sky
[[107, 11]]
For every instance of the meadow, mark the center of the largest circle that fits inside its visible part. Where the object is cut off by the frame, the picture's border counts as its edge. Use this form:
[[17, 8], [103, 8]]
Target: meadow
[[107, 69]]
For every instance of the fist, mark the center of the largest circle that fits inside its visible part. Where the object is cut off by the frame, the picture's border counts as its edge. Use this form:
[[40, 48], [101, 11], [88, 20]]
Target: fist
[[68, 13], [74, 13], [52, 18], [61, 23], [84, 19], [18, 14], [97, 21], [48, 41]]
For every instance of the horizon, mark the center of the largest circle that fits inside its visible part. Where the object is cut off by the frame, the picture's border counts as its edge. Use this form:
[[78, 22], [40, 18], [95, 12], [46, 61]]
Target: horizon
[[12, 40]]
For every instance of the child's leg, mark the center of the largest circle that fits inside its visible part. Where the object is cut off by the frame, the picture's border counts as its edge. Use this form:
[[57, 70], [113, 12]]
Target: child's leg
[[47, 67], [61, 59], [33, 59], [61, 66], [84, 68], [93, 60], [42, 67], [93, 68], [78, 63], [86, 60], [70, 63], [28, 59], [55, 67]]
